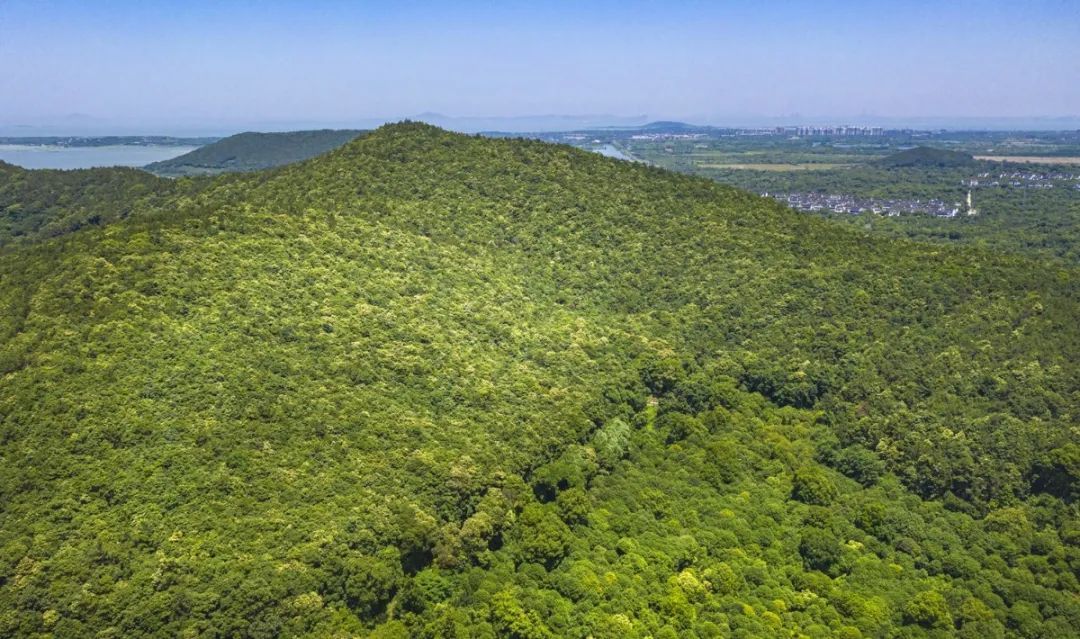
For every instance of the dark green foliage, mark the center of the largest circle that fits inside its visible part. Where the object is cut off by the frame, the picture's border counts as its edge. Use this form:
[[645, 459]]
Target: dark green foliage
[[540, 536], [1058, 472], [48, 203], [370, 582], [924, 156], [252, 152], [860, 464], [679, 426], [820, 549], [436, 385]]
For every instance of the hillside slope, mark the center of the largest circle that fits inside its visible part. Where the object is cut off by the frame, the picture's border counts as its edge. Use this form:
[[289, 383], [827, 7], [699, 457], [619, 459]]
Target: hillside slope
[[438, 385], [253, 151], [46, 203]]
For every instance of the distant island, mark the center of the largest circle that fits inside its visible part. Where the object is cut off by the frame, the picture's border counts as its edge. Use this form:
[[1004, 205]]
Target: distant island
[[253, 151]]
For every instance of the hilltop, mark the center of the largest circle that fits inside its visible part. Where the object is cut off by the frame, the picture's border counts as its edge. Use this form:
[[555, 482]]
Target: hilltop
[[924, 156], [253, 151], [435, 385], [666, 125]]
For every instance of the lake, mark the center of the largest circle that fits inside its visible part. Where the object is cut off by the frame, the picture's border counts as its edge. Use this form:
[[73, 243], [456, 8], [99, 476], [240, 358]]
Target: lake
[[85, 157], [612, 152]]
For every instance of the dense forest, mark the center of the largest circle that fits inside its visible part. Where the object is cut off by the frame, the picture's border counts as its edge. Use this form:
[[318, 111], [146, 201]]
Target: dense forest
[[925, 156], [252, 152], [47, 203], [437, 385]]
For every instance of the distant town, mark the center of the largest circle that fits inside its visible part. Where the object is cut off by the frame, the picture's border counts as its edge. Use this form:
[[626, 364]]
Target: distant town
[[827, 203], [853, 205], [816, 131]]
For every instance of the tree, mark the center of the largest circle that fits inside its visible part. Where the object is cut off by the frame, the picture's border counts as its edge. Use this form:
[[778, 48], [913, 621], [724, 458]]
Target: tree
[[819, 548], [612, 441], [860, 464], [929, 609], [370, 582], [811, 485], [512, 620], [540, 536], [574, 506]]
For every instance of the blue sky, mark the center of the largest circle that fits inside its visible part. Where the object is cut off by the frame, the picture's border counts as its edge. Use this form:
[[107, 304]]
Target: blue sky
[[337, 62]]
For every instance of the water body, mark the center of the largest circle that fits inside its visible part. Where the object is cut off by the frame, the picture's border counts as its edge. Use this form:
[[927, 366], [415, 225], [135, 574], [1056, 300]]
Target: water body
[[612, 152], [85, 157]]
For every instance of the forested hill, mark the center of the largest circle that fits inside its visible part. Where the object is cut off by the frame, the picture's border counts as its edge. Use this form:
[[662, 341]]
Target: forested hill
[[253, 151], [45, 203], [432, 385]]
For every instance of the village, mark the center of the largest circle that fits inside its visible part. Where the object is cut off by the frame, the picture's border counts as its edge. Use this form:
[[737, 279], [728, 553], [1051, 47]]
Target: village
[[854, 205], [850, 204], [1022, 179]]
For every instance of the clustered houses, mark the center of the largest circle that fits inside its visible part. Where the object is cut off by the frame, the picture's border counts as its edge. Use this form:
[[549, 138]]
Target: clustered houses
[[843, 130], [853, 205], [815, 131], [821, 202], [669, 136], [1022, 179]]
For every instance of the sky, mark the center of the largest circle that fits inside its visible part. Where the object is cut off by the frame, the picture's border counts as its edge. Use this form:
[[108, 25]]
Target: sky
[[201, 64]]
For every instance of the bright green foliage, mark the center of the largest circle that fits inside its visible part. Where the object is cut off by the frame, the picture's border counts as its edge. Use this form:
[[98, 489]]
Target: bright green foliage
[[611, 442], [928, 608], [434, 385], [664, 554]]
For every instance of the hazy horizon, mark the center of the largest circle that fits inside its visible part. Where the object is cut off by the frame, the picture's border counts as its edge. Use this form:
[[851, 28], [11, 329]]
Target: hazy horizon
[[81, 125], [214, 68]]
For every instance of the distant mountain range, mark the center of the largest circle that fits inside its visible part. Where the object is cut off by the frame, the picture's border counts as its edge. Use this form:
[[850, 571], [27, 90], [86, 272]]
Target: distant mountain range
[[85, 125], [88, 126]]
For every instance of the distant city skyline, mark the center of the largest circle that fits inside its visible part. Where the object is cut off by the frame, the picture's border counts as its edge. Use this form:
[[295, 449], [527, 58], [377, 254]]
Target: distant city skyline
[[218, 67]]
